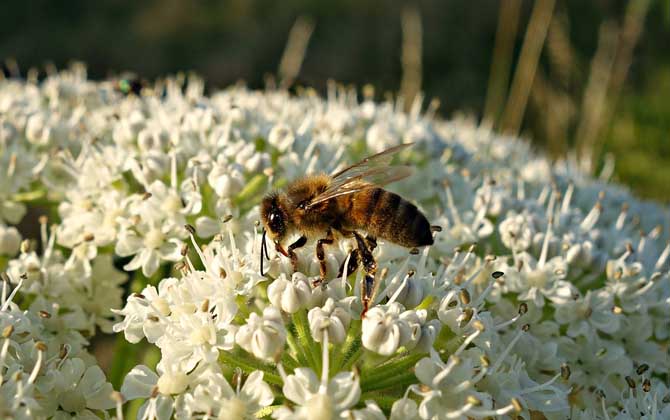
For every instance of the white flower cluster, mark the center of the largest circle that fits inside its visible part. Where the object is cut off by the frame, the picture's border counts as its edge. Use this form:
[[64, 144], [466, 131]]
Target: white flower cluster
[[45, 368], [545, 295]]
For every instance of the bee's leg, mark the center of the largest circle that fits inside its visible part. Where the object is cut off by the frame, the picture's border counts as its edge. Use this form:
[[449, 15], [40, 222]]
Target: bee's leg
[[372, 242], [354, 261], [320, 254], [369, 284], [291, 253]]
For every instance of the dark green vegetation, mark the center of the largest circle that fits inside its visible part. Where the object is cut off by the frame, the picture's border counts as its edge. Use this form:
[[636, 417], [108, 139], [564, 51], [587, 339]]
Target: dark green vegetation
[[595, 84]]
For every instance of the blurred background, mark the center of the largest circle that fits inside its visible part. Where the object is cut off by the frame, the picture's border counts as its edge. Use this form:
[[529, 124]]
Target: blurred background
[[587, 78]]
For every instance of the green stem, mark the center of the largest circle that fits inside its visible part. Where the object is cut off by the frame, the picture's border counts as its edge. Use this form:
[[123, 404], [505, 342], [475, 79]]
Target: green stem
[[296, 349], [308, 344], [249, 365], [401, 380], [389, 369], [354, 353], [353, 337]]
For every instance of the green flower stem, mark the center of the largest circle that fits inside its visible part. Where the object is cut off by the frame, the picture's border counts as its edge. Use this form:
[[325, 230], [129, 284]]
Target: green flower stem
[[353, 355], [249, 365], [399, 380], [351, 344], [313, 354], [389, 373], [255, 186], [296, 349]]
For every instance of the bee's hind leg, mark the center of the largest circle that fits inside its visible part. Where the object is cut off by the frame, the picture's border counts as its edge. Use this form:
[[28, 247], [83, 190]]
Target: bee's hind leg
[[354, 261], [321, 255], [369, 284]]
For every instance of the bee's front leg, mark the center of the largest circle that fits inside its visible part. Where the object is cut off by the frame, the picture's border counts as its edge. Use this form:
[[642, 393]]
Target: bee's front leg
[[321, 255], [291, 253]]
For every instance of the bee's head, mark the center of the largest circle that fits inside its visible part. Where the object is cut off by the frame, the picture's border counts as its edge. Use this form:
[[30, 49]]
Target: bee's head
[[274, 216]]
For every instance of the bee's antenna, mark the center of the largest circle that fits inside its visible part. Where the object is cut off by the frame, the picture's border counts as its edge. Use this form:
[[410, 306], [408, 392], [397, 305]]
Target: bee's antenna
[[264, 249]]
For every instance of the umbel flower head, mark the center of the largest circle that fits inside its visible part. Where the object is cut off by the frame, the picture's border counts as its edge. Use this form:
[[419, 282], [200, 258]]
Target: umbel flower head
[[546, 293]]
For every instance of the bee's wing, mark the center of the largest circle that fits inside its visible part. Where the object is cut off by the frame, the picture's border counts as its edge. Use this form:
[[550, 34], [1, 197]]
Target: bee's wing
[[372, 171]]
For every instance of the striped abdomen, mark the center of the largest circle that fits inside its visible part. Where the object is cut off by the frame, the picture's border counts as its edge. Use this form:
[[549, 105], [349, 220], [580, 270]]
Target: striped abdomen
[[386, 215]]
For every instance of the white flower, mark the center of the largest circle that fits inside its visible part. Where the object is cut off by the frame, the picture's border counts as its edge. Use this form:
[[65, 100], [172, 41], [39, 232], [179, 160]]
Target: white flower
[[329, 317], [78, 389], [385, 330], [516, 231], [215, 397], [290, 295], [263, 336], [313, 401]]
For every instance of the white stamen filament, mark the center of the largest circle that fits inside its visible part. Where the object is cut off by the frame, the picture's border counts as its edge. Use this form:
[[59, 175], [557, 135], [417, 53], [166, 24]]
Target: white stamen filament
[[480, 299], [565, 205], [48, 251], [323, 387], [3, 356], [621, 220], [459, 413], [4, 291], [6, 302], [397, 292], [505, 352], [200, 254], [591, 218], [540, 387], [469, 382], [345, 274], [452, 207], [543, 195], [507, 323], [467, 341], [663, 257], [545, 244], [37, 367], [453, 361], [173, 170]]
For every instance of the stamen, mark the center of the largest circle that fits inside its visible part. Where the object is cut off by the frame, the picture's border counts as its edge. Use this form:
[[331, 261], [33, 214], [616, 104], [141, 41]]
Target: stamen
[[173, 170], [6, 302], [452, 207], [118, 399], [41, 349], [505, 352], [591, 218], [663, 257], [470, 382], [622, 217], [541, 386], [565, 205], [398, 290], [323, 387], [451, 363], [467, 341], [199, 251], [545, 243], [459, 413]]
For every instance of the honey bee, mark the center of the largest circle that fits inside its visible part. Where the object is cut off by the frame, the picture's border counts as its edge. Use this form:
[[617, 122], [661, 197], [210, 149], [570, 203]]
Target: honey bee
[[345, 203]]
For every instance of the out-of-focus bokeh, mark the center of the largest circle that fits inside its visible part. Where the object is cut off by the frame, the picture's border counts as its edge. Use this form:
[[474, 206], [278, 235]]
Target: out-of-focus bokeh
[[590, 79]]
